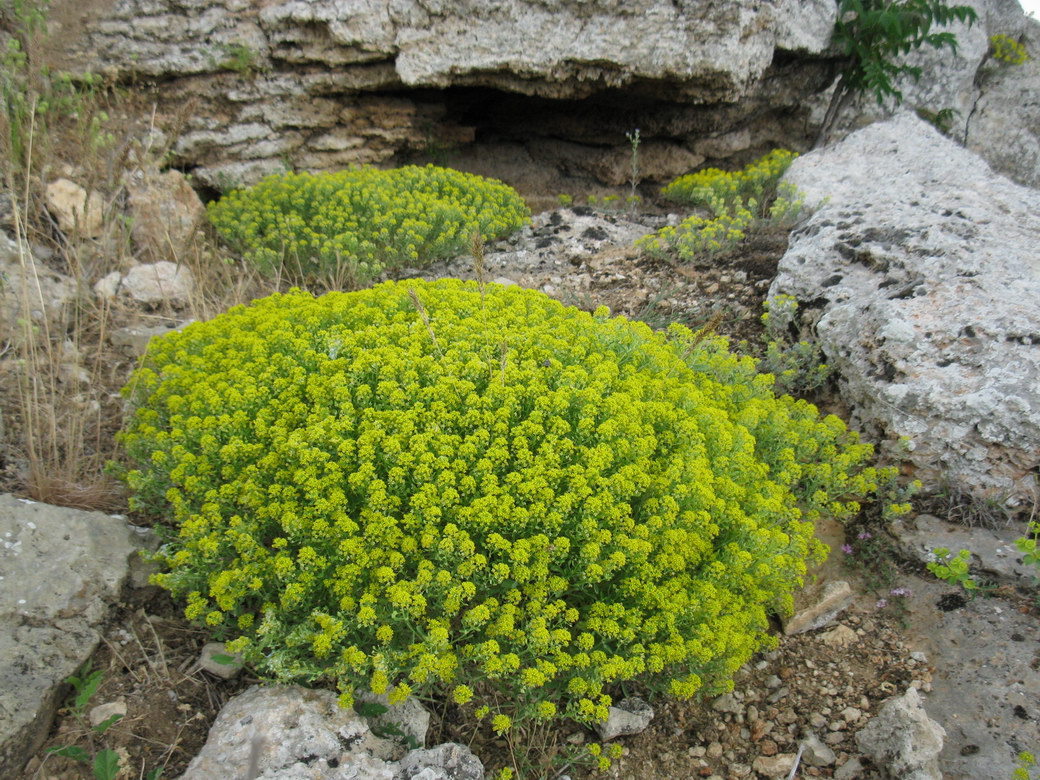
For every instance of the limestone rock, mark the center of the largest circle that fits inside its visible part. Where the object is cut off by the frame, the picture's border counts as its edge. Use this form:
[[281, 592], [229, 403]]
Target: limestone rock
[[839, 636], [902, 740], [632, 715], [449, 761], [823, 606], [158, 283], [1005, 123], [922, 266], [774, 766], [134, 339], [409, 717], [221, 667], [165, 211], [993, 550], [60, 569], [296, 733], [816, 752], [104, 712], [75, 210]]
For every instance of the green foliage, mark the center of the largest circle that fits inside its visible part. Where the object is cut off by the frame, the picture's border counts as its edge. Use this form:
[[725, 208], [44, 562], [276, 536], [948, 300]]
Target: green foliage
[[239, 58], [750, 199], [797, 366], [565, 200], [942, 120], [954, 569], [1026, 762], [360, 222], [34, 98], [475, 489], [105, 763], [874, 34], [1008, 50]]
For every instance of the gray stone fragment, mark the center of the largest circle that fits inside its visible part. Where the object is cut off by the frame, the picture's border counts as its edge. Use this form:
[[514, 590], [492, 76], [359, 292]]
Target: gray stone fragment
[[134, 339], [631, 716], [226, 668], [823, 606], [162, 282], [449, 761], [816, 752], [902, 740], [60, 569], [104, 712], [850, 770]]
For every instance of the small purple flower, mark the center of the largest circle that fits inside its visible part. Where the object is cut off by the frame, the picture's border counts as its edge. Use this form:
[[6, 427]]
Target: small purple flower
[[882, 603], [901, 591], [847, 549], [864, 535]]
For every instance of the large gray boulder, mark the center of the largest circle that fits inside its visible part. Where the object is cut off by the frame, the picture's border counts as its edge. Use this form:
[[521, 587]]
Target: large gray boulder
[[293, 733], [920, 264], [60, 570]]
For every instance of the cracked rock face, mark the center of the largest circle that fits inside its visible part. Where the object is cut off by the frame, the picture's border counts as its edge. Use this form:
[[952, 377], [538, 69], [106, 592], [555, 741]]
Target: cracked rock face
[[922, 269], [289, 732], [324, 84]]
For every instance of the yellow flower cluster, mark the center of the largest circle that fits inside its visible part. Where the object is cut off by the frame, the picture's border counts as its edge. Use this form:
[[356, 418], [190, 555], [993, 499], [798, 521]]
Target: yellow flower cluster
[[748, 199], [1007, 49], [493, 495], [365, 220]]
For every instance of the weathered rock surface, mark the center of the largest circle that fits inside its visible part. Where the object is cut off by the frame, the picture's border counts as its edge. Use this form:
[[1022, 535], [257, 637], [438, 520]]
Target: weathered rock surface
[[985, 682], [166, 212], [299, 733], [59, 570], [822, 605], [993, 550], [995, 114], [326, 84], [921, 265], [77, 211], [134, 339], [150, 283], [902, 740], [632, 715]]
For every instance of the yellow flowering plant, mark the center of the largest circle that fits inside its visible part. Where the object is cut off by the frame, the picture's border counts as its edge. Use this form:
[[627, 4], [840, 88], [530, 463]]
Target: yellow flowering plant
[[364, 221], [735, 203], [478, 492]]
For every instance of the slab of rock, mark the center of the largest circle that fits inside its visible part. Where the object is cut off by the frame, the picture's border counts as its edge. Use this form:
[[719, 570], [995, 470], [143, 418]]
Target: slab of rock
[[150, 283], [166, 212], [993, 550], [216, 660], [60, 570], [921, 265], [902, 740], [632, 715], [293, 733], [134, 339], [985, 684], [823, 605], [76, 210], [815, 752], [774, 766]]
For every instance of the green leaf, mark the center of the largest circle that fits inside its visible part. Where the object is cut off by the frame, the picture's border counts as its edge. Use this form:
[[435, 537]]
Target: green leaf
[[107, 723], [86, 690], [106, 765], [70, 751], [155, 774], [370, 709], [226, 660]]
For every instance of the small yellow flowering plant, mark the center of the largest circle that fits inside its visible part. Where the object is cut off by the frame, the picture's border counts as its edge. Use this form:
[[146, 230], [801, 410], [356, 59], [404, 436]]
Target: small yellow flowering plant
[[736, 203], [477, 491], [366, 220]]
